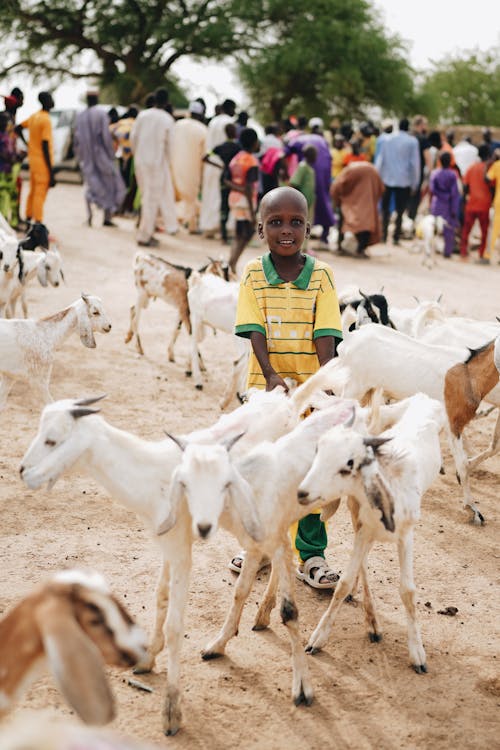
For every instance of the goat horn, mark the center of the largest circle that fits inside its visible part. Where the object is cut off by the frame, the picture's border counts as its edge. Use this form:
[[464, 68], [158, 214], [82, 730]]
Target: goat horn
[[497, 318], [182, 444], [365, 296], [89, 401], [350, 420], [228, 444], [62, 275], [85, 297], [375, 442], [77, 413], [416, 299]]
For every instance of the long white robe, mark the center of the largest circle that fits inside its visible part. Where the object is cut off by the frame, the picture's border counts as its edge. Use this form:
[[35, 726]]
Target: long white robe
[[151, 141], [188, 149], [210, 192]]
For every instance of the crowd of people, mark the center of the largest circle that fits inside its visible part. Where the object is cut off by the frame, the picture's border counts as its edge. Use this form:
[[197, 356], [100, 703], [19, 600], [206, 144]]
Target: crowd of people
[[210, 175]]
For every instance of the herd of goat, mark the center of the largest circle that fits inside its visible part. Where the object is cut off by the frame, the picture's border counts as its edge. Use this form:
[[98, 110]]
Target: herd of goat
[[402, 378]]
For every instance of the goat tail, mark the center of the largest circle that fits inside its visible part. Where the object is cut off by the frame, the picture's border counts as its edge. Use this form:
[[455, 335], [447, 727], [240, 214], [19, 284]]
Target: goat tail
[[331, 377]]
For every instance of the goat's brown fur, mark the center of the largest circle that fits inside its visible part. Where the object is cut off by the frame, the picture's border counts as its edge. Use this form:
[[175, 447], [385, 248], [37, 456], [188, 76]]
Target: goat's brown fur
[[466, 384]]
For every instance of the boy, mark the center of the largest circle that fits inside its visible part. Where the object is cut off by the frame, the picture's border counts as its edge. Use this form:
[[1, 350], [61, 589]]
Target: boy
[[288, 309], [244, 169]]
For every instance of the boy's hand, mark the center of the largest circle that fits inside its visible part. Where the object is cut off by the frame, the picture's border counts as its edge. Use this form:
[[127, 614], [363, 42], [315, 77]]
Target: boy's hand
[[274, 380]]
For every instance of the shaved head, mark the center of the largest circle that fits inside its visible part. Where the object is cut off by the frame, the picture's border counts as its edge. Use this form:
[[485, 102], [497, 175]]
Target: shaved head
[[277, 198]]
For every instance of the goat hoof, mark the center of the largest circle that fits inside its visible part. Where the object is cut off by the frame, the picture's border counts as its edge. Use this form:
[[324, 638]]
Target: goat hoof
[[171, 732], [375, 637], [199, 387], [188, 373], [146, 669], [312, 650], [478, 519], [420, 668], [209, 655], [303, 698], [257, 627]]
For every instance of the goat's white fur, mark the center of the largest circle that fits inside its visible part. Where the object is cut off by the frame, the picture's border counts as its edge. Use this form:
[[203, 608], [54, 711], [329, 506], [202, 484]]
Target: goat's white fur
[[385, 488], [27, 346], [45, 265]]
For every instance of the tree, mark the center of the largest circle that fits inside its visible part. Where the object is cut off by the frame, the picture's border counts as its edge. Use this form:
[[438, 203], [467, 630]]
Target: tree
[[329, 57], [463, 89], [129, 45]]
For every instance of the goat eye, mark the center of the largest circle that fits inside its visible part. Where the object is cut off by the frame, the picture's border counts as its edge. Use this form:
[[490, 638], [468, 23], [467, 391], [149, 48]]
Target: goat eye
[[96, 312], [50, 443]]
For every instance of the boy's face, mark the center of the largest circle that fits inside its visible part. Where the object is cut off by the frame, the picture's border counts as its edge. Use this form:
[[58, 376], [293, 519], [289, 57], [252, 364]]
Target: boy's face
[[284, 226]]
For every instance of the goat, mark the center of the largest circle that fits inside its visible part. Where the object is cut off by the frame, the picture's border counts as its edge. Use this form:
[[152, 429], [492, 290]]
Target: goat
[[156, 278], [45, 265], [414, 320], [76, 624], [254, 497], [357, 309], [212, 302], [138, 474], [385, 488], [11, 269], [27, 346], [428, 229], [378, 357]]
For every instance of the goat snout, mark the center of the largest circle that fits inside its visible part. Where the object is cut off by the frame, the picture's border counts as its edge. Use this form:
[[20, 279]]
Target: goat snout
[[204, 529], [6, 267]]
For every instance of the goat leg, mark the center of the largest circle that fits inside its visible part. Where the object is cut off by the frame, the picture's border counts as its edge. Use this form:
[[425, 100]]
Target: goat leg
[[407, 592]]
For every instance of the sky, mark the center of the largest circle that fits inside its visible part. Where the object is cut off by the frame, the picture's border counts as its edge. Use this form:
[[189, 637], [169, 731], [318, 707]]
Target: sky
[[433, 29]]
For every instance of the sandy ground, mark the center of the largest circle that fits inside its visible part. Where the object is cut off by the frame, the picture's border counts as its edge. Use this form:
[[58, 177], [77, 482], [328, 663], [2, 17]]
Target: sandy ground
[[366, 694]]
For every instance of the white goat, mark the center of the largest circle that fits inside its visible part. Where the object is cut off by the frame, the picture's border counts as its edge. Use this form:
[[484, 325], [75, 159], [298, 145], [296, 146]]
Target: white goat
[[237, 493], [45, 265], [212, 302], [378, 357], [385, 488], [74, 623], [27, 346], [138, 473], [428, 229], [156, 278], [414, 320], [11, 269]]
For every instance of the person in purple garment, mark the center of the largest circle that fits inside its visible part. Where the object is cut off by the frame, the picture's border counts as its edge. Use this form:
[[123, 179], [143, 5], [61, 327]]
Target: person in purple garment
[[445, 200], [94, 148], [323, 212]]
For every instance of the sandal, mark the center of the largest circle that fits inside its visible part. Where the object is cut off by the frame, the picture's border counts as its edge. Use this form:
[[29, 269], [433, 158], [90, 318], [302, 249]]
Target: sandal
[[238, 560], [313, 570]]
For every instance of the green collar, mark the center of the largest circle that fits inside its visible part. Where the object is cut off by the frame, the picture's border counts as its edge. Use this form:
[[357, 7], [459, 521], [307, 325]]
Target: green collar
[[272, 278]]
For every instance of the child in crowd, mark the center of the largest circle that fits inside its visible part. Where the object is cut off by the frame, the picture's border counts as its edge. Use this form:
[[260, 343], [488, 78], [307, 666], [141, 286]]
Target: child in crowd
[[8, 157], [493, 176], [243, 184], [445, 199], [304, 180], [288, 308]]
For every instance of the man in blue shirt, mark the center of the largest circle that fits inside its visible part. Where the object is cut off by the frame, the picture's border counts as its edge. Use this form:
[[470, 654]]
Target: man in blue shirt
[[398, 164]]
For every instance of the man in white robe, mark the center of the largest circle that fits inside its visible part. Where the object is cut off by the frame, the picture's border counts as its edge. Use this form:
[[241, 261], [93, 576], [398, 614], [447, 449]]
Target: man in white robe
[[188, 149], [151, 138], [210, 192]]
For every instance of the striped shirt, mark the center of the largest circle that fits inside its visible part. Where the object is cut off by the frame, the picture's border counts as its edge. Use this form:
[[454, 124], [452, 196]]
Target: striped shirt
[[290, 314]]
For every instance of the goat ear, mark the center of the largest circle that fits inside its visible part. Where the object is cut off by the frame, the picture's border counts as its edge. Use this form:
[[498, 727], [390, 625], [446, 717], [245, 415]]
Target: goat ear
[[62, 275], [375, 442], [228, 444], [75, 662], [242, 505], [379, 496], [328, 510], [174, 499], [41, 273], [182, 444], [84, 297], [85, 329], [77, 413]]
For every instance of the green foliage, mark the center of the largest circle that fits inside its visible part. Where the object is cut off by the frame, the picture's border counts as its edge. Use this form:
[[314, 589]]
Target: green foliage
[[127, 45], [330, 57], [463, 89]]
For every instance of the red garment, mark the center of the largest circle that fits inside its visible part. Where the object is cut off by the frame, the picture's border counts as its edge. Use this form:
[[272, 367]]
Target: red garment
[[470, 216], [349, 158], [479, 198], [240, 166]]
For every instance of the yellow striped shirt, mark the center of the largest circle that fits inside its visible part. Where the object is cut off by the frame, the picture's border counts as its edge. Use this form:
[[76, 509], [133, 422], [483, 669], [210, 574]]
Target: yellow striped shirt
[[290, 314]]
